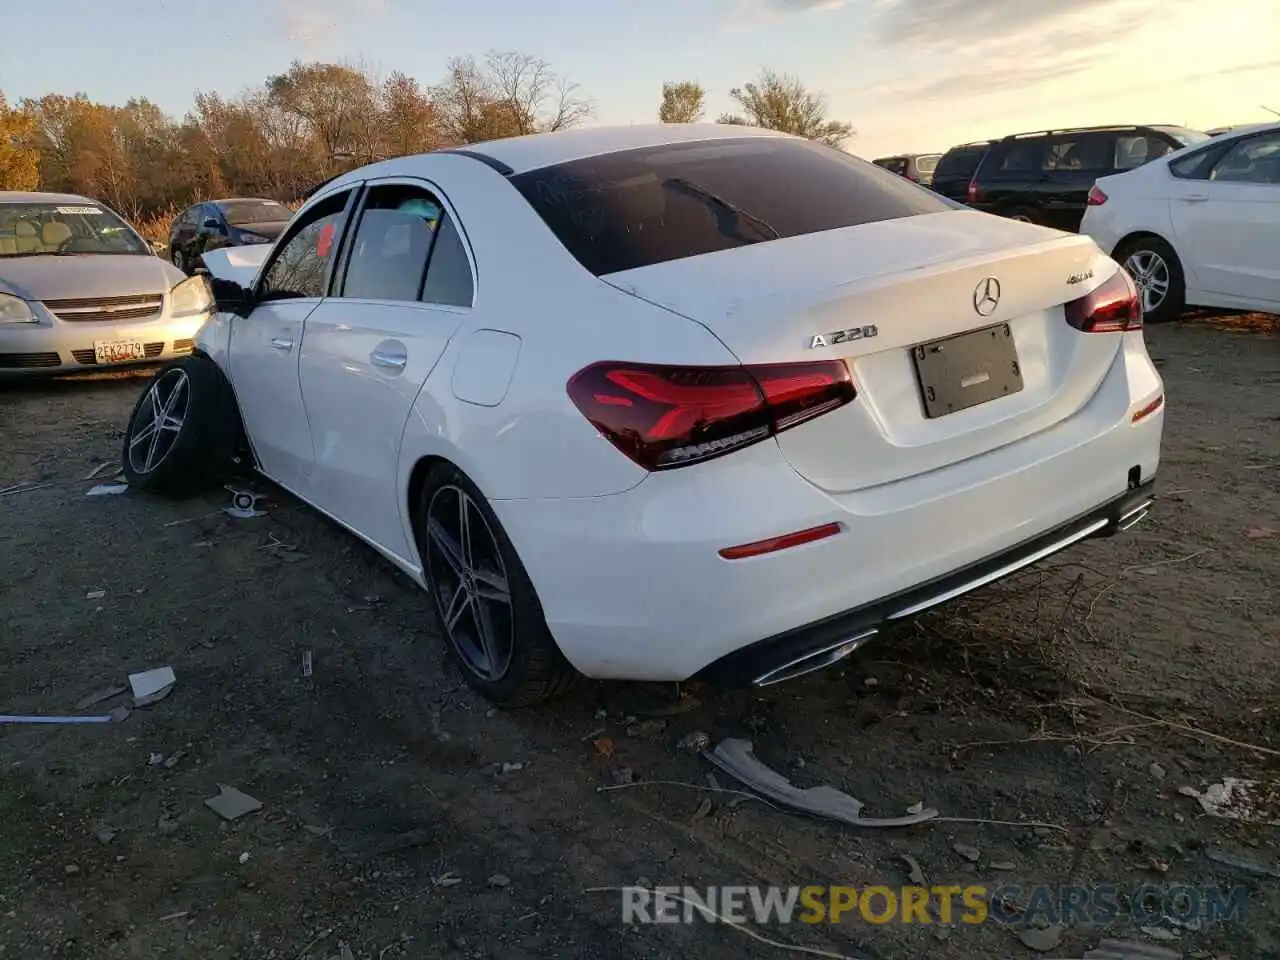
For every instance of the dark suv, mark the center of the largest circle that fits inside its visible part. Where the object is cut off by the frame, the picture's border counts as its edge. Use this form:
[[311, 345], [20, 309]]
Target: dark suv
[[1045, 177]]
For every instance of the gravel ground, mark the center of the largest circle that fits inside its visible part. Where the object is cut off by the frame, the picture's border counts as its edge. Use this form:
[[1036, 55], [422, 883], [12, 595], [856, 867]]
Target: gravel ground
[[403, 818]]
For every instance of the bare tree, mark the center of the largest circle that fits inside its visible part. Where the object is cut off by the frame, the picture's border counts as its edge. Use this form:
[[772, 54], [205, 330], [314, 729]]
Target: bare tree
[[683, 102], [509, 95], [779, 101]]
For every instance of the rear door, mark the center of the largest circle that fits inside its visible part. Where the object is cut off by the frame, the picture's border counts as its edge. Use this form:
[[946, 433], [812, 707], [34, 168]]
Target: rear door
[[266, 344], [1071, 164], [1228, 224], [1011, 178], [405, 286]]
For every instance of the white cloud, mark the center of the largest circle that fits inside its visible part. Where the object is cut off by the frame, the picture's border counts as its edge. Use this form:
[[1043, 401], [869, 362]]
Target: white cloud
[[309, 23]]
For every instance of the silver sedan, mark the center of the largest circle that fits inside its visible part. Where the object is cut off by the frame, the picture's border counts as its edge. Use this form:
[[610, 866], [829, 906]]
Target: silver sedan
[[80, 290]]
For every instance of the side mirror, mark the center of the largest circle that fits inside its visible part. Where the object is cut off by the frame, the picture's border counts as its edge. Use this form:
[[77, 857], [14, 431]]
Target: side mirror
[[229, 296]]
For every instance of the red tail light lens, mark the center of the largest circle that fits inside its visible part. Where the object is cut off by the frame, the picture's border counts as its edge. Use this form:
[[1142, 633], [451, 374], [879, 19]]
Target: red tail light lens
[[1096, 197], [672, 416], [971, 193], [1112, 308]]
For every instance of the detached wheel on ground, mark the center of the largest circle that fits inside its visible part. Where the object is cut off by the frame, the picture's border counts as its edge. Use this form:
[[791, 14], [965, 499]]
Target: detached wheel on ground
[[1157, 273], [182, 433], [488, 611]]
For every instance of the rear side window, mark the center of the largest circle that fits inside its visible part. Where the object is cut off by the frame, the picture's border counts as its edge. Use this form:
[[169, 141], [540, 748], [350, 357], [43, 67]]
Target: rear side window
[[1023, 156], [959, 164], [1080, 152], [633, 208], [926, 165]]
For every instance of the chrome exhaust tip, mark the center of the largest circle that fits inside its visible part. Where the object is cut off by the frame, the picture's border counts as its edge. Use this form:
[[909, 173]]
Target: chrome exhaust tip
[[816, 660], [1134, 516]]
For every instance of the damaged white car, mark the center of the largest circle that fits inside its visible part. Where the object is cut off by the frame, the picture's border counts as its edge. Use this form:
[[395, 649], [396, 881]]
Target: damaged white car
[[662, 402]]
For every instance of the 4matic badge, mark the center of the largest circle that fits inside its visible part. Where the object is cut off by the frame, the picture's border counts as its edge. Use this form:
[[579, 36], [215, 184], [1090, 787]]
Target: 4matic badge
[[842, 336]]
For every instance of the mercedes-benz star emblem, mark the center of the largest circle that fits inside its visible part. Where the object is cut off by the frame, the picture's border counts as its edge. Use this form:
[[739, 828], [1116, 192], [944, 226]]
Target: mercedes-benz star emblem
[[986, 296]]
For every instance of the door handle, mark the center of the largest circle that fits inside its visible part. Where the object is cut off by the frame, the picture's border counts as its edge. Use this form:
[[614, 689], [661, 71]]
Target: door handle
[[282, 343], [1196, 198], [392, 361]]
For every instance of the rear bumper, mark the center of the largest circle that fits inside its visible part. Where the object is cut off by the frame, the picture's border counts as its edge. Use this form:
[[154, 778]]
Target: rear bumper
[[633, 587], [813, 646]]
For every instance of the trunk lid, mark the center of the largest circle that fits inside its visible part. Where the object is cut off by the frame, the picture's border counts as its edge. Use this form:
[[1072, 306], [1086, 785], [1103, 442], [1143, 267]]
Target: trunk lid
[[887, 288]]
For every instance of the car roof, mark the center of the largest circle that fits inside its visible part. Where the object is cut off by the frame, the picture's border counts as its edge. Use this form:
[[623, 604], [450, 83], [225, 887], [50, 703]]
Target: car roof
[[514, 155], [31, 196], [532, 152], [241, 200]]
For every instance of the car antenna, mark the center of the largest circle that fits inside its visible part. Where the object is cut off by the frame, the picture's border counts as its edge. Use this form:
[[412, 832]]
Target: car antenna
[[1269, 110]]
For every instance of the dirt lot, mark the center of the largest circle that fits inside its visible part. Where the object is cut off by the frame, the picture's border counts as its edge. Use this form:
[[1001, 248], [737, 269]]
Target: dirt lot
[[405, 819]]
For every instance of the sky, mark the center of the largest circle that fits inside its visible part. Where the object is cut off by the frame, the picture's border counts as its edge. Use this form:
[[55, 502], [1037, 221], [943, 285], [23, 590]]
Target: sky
[[910, 75]]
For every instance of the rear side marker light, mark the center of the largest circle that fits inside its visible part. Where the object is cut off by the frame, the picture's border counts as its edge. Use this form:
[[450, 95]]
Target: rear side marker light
[[1112, 308], [1096, 197], [1148, 410], [774, 544], [664, 416], [971, 192]]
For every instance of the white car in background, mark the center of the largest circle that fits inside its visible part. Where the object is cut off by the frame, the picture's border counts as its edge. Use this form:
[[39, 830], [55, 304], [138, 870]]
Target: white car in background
[[1200, 227], [657, 402]]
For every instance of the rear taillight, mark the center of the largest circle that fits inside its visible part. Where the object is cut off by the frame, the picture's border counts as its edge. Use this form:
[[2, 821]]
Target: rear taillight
[[971, 192], [1096, 197], [670, 416], [1111, 308]]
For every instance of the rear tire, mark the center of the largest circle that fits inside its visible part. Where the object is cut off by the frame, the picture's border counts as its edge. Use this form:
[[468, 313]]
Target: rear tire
[[182, 433], [1023, 214], [1157, 272], [488, 611]]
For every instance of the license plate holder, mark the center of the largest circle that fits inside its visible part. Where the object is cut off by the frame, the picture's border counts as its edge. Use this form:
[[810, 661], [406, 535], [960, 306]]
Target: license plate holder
[[118, 351], [967, 369]]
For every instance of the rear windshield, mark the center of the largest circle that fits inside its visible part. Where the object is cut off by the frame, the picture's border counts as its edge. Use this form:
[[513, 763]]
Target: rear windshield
[[634, 208], [959, 163], [927, 164]]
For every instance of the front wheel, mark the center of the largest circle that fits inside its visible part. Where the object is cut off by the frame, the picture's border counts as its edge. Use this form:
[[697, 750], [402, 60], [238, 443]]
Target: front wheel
[[181, 436], [1157, 273], [486, 605]]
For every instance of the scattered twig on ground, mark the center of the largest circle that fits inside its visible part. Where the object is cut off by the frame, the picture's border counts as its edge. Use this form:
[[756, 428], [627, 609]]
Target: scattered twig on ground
[[1002, 823], [318, 937], [687, 786], [23, 488], [1103, 739], [1093, 605], [1187, 729], [741, 928]]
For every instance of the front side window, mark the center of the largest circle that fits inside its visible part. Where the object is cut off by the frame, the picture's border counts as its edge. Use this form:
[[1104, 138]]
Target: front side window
[[71, 228], [1252, 160], [633, 208], [301, 266]]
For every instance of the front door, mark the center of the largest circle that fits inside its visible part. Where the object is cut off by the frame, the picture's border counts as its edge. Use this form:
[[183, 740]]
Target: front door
[[407, 286], [266, 344], [1228, 225]]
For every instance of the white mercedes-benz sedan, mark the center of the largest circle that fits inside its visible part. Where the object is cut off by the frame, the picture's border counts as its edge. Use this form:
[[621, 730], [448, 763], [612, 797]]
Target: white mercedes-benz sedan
[[1199, 227], [663, 402]]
